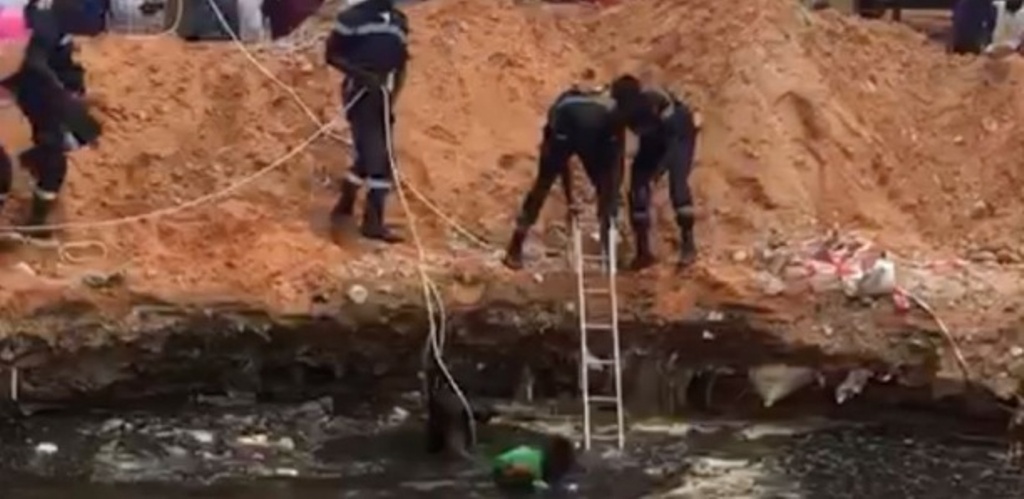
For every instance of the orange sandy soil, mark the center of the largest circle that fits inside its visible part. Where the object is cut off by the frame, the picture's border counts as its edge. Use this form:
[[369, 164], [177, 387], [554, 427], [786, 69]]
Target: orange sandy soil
[[811, 121]]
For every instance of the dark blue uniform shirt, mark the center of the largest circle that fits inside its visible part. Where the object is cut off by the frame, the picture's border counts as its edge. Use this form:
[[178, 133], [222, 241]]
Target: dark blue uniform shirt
[[53, 46], [663, 114], [584, 114], [370, 37]]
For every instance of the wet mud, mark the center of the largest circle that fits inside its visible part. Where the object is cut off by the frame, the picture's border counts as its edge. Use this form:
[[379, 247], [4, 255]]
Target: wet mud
[[230, 448]]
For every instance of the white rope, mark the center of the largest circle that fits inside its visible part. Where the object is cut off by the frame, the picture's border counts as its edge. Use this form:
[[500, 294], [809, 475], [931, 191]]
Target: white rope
[[171, 210], [315, 119], [436, 314], [431, 295]]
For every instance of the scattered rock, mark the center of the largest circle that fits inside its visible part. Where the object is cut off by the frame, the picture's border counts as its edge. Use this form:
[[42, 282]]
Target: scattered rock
[[398, 416], [740, 256], [358, 294], [25, 269], [981, 209], [1007, 256], [100, 280], [853, 385], [770, 285]]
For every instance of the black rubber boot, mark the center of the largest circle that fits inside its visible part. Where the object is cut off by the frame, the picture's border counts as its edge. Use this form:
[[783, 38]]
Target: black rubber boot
[[514, 253], [41, 208], [687, 246], [644, 257], [346, 204], [373, 218], [341, 214]]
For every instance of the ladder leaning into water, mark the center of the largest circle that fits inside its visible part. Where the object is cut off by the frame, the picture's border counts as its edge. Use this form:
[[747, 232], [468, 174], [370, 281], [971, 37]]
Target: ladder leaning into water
[[595, 287]]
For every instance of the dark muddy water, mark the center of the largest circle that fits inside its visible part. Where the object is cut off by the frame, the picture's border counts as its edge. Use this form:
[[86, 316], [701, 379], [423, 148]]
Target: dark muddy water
[[304, 451]]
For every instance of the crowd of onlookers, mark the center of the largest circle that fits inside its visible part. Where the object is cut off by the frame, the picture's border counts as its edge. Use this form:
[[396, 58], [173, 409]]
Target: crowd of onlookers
[[192, 19]]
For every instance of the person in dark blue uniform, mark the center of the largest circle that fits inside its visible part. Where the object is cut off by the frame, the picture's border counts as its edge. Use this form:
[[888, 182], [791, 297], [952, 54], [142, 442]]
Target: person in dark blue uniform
[[973, 22], [668, 139], [48, 90], [59, 46], [369, 46], [583, 123]]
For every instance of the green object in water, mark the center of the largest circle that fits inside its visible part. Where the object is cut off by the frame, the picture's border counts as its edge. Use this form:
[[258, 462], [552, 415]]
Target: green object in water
[[520, 467]]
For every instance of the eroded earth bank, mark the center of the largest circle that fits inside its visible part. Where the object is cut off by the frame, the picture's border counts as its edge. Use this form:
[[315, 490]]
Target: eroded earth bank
[[817, 128]]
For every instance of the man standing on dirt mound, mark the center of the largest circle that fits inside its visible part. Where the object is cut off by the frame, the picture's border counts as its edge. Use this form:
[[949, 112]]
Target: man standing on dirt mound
[[369, 46], [581, 122], [47, 88], [668, 138]]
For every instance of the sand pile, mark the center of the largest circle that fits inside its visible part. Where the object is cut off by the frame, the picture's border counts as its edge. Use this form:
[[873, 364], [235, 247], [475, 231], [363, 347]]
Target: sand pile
[[816, 119], [187, 120], [810, 120]]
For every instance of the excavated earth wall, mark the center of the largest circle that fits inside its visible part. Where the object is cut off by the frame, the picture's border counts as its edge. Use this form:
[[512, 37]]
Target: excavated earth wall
[[820, 133]]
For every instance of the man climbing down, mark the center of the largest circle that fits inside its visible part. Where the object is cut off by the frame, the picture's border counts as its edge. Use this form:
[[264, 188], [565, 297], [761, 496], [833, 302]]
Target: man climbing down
[[47, 89], [450, 428], [584, 123], [668, 139], [369, 46]]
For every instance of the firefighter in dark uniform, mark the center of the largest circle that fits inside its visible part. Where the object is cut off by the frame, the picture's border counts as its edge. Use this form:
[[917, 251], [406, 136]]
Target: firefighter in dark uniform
[[369, 46], [668, 138], [583, 123], [48, 89]]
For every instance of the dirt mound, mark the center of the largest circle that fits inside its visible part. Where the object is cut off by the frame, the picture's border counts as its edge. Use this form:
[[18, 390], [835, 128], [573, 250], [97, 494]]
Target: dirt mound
[[820, 119], [810, 120], [187, 120]]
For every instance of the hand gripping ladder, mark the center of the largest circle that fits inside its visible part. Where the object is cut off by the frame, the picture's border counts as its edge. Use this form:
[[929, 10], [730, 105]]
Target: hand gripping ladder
[[595, 286]]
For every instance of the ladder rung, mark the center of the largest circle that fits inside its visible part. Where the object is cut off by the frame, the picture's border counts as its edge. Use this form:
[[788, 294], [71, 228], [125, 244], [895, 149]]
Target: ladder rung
[[603, 399], [597, 291], [599, 362], [598, 326]]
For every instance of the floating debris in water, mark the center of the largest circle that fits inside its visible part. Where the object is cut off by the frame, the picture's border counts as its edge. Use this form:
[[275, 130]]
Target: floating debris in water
[[46, 448], [853, 385], [201, 436]]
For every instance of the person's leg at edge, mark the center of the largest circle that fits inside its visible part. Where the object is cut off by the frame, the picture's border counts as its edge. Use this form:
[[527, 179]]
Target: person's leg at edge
[[644, 171], [372, 164], [602, 166], [48, 163], [679, 163], [356, 176], [380, 170], [554, 157]]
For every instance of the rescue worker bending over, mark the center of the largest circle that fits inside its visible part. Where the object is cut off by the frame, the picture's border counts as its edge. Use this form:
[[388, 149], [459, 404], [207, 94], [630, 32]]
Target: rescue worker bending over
[[584, 123], [369, 46], [668, 138], [46, 89]]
